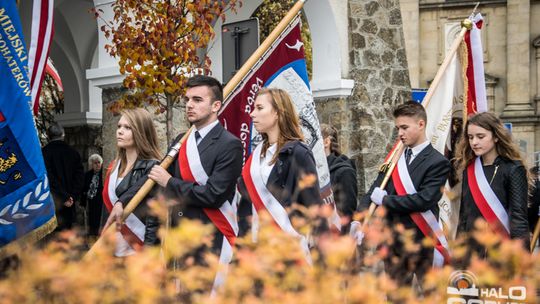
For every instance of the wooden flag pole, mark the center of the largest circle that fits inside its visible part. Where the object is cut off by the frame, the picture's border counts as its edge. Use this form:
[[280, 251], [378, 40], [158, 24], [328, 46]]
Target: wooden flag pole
[[227, 90], [465, 26]]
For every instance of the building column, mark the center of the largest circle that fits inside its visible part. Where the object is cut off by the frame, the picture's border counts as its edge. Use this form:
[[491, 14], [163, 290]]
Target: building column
[[518, 101], [410, 14], [536, 45], [519, 109]]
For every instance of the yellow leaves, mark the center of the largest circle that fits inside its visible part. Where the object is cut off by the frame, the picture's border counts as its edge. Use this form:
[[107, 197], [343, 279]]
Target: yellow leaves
[[154, 36], [272, 270], [307, 181]]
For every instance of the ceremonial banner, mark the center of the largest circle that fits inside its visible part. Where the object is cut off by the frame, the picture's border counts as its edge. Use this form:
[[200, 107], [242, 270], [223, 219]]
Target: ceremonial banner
[[42, 33], [461, 89], [282, 66], [476, 99], [26, 206], [439, 122]]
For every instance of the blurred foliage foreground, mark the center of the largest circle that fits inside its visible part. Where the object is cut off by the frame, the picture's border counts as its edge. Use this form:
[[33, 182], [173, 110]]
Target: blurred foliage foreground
[[269, 271]]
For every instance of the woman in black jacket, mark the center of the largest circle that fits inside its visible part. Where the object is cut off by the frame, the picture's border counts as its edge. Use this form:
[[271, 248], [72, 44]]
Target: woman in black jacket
[[137, 153], [281, 170], [495, 182]]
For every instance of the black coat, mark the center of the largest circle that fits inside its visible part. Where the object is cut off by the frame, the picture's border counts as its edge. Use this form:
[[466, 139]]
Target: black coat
[[294, 161], [511, 187], [66, 177], [129, 186], [221, 157], [344, 183], [93, 205], [64, 170]]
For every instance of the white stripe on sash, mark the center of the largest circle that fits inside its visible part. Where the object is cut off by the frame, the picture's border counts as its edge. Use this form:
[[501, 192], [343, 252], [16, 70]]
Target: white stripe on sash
[[429, 217], [491, 198], [133, 223], [228, 210], [274, 207]]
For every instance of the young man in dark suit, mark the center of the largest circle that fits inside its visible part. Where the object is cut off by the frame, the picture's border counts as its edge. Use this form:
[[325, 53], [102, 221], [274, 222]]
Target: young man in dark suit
[[220, 155], [428, 170]]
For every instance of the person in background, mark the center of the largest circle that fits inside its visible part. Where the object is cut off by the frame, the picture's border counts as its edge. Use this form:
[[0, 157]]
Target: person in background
[[92, 194], [65, 173], [342, 175]]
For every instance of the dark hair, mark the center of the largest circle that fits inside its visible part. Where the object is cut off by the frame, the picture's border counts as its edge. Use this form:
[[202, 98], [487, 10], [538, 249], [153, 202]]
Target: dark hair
[[505, 145], [202, 80], [55, 131], [411, 109], [332, 133]]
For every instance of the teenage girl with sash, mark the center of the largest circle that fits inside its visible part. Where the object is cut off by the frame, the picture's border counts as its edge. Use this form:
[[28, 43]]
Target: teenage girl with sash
[[137, 153], [495, 180], [272, 176]]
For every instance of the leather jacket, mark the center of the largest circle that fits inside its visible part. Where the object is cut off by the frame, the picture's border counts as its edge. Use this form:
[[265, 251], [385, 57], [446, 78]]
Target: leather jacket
[[127, 189], [508, 179]]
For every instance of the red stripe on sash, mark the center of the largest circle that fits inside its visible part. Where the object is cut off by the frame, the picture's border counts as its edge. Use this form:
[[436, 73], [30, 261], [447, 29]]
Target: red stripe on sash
[[215, 215], [418, 219], [105, 193], [250, 187], [482, 204]]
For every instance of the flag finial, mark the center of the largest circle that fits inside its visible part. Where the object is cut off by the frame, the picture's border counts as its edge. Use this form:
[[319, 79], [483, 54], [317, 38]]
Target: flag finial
[[467, 23]]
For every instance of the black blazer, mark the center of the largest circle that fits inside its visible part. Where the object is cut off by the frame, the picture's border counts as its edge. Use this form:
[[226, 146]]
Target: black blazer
[[64, 170], [221, 158], [511, 187], [429, 171], [295, 159]]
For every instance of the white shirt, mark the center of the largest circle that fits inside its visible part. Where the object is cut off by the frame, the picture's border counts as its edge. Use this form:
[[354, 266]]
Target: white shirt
[[206, 129], [118, 181], [416, 150], [266, 167]]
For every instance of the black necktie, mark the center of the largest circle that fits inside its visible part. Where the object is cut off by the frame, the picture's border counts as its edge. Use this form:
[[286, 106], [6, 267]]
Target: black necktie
[[197, 137], [408, 154]]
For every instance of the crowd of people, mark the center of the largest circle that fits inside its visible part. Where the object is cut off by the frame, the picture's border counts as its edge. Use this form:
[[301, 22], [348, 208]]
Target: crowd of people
[[211, 183]]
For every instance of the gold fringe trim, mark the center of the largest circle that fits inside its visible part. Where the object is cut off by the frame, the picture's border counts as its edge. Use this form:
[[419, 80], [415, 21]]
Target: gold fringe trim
[[31, 237], [464, 60]]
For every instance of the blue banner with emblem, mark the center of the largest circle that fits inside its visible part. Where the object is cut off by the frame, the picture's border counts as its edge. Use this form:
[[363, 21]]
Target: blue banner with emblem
[[26, 206]]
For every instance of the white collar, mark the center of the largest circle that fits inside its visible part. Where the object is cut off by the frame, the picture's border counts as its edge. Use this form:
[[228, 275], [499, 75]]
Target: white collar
[[206, 129], [271, 149], [416, 150]]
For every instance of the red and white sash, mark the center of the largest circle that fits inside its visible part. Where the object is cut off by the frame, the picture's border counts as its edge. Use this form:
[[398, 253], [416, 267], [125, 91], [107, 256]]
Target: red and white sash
[[263, 200], [223, 218], [131, 235], [486, 200], [426, 221]]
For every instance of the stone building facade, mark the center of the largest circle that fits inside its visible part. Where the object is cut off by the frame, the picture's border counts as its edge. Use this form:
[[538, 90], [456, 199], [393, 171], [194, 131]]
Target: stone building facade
[[511, 42], [359, 73]]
